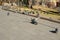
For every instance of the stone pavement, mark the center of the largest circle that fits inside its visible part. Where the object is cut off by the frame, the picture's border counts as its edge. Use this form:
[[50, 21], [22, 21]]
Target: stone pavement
[[18, 27]]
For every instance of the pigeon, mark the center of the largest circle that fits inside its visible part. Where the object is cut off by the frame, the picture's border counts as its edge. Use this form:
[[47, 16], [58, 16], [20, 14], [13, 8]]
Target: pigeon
[[33, 21], [8, 14], [54, 31]]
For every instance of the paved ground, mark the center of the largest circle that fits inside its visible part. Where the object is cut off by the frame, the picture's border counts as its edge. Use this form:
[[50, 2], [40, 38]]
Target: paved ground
[[17, 27]]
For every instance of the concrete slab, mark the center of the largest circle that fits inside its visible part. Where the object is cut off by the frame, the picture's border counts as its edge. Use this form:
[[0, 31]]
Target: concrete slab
[[17, 27]]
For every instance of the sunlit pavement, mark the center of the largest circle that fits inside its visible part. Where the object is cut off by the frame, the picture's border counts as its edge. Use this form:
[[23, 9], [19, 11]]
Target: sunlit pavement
[[18, 27]]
